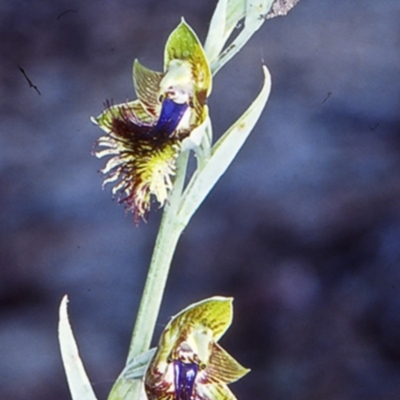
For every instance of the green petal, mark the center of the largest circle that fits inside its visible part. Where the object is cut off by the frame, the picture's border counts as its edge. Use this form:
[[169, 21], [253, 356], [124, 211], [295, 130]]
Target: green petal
[[147, 85], [223, 367]]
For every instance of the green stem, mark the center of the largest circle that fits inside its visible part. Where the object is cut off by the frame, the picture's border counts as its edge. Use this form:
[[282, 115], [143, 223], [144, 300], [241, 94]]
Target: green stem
[[167, 239]]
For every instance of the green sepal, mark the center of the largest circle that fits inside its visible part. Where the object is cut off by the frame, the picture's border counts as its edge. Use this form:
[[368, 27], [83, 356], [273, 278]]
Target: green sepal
[[215, 313], [183, 44]]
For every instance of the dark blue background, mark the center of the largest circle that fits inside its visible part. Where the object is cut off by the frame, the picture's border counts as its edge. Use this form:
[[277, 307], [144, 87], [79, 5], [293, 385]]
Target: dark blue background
[[303, 230]]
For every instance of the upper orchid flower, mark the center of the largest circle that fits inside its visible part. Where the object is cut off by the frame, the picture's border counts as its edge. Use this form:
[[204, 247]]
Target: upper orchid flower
[[189, 364], [144, 136]]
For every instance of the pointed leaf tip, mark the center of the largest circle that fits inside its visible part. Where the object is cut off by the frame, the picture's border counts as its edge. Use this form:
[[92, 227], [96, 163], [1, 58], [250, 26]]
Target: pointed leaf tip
[[78, 381]]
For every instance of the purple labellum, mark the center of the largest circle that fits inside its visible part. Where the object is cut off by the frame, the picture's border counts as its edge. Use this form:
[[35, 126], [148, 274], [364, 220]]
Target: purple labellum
[[184, 377], [171, 115]]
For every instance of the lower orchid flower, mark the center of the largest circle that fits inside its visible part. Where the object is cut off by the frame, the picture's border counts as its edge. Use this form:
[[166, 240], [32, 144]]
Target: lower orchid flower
[[189, 364]]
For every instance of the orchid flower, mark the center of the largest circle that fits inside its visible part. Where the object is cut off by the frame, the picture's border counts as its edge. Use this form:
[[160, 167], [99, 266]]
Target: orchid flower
[[189, 364], [144, 137]]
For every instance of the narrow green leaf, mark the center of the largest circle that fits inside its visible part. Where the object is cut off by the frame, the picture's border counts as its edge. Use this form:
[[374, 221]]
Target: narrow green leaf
[[223, 154], [129, 384], [216, 36], [78, 381], [127, 389], [226, 17], [254, 13], [136, 368]]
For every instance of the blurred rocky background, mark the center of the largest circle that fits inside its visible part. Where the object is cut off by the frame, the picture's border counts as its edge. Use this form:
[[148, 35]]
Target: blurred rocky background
[[303, 230]]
